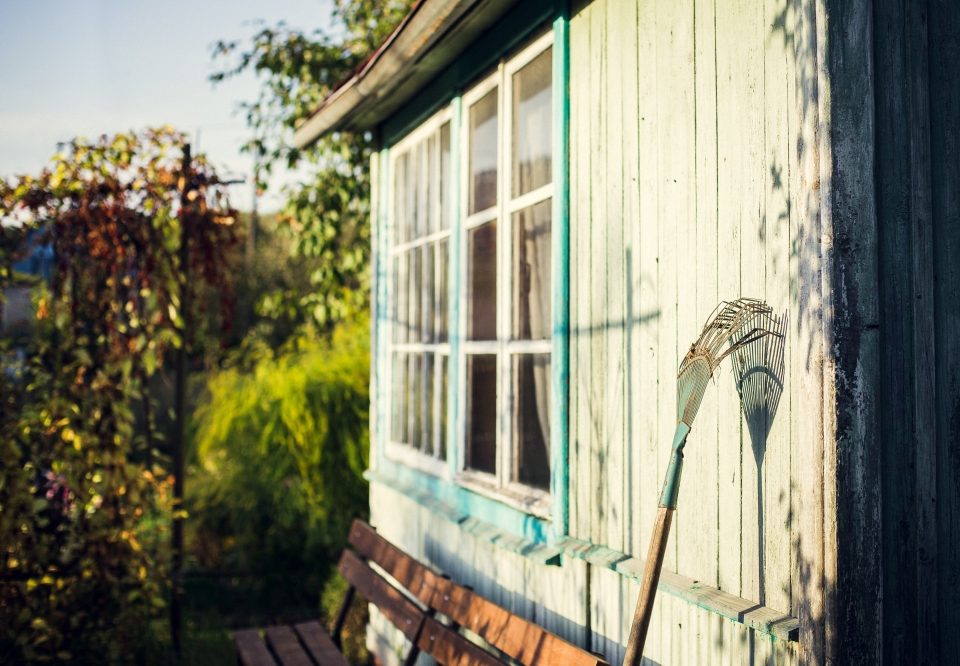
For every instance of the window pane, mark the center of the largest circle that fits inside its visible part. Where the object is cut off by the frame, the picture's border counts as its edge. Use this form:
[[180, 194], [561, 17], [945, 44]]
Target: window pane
[[442, 290], [482, 412], [531, 387], [416, 401], [531, 272], [482, 281], [397, 418], [400, 218], [400, 312], [416, 296], [426, 406], [430, 185], [532, 114], [442, 409], [446, 180], [429, 295], [483, 152]]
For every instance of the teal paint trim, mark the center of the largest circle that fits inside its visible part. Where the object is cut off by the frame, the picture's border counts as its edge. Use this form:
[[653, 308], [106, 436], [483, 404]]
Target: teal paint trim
[[776, 624], [504, 36], [454, 280], [481, 516], [380, 265], [671, 482], [560, 353]]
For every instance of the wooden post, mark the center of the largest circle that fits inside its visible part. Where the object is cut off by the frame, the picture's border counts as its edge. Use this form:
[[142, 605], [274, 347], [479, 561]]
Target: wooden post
[[176, 618]]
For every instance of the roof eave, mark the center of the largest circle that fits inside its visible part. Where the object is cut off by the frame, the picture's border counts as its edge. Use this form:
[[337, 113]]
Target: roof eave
[[371, 93]]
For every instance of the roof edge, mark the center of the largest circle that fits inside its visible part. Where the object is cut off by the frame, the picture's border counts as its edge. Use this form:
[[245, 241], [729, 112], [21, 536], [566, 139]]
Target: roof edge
[[384, 70]]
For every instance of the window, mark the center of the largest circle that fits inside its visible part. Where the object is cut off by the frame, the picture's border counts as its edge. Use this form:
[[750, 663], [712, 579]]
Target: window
[[501, 278], [507, 268], [419, 271]]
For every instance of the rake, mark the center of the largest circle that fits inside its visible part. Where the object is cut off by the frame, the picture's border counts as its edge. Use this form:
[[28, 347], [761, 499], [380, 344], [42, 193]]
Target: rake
[[734, 325]]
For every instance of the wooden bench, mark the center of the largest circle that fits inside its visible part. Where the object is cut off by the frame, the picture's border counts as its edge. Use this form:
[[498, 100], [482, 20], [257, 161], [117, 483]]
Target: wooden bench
[[428, 608]]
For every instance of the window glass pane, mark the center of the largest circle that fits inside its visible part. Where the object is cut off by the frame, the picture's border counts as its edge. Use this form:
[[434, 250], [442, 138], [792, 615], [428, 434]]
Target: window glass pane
[[531, 432], [416, 401], [442, 408], [398, 407], [442, 248], [430, 185], [409, 195], [416, 296], [482, 282], [426, 405], [483, 152], [532, 115], [482, 412], [446, 180], [531, 273], [429, 295]]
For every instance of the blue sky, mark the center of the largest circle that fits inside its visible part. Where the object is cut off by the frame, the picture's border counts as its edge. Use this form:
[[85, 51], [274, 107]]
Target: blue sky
[[89, 67]]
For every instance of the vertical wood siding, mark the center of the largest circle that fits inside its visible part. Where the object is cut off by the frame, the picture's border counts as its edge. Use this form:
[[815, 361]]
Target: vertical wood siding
[[687, 175], [693, 178]]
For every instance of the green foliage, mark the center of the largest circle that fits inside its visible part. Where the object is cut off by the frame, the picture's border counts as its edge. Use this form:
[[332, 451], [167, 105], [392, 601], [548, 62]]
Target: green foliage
[[83, 514], [280, 452], [329, 211]]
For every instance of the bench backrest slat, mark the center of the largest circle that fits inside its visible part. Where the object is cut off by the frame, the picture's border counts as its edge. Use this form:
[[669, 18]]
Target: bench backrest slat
[[449, 647], [398, 609], [516, 637]]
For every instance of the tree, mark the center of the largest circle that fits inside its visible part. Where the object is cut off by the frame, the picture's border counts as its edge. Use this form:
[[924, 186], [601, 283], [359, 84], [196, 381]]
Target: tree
[[83, 511], [328, 214]]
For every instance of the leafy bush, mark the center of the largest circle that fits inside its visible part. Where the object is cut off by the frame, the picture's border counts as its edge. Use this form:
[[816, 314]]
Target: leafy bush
[[83, 515], [280, 452]]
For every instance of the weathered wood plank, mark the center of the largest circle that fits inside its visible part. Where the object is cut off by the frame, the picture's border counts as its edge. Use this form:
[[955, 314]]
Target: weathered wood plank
[[319, 644], [599, 226], [731, 169], [251, 650], [672, 202], [651, 308], [448, 647], [705, 444], [283, 641], [401, 612], [775, 492], [944, 35], [581, 257]]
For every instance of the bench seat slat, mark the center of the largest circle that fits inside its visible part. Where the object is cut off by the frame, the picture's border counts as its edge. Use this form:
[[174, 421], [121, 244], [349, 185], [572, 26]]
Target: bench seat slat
[[251, 650], [319, 644], [398, 609], [450, 648], [287, 647]]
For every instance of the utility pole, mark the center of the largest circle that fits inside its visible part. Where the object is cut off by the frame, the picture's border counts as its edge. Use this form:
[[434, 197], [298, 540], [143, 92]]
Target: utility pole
[[180, 388]]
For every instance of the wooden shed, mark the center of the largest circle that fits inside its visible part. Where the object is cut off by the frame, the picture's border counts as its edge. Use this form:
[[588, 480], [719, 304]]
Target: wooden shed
[[561, 195]]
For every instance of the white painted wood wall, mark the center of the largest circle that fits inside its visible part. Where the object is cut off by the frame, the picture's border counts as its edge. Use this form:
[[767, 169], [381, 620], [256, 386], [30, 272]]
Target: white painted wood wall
[[693, 178]]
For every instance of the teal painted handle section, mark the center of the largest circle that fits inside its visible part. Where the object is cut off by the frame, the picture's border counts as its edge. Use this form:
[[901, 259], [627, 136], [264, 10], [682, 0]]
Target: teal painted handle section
[[671, 483]]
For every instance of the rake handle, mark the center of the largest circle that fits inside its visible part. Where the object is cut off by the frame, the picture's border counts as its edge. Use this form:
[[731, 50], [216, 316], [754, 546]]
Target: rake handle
[[657, 549], [648, 590]]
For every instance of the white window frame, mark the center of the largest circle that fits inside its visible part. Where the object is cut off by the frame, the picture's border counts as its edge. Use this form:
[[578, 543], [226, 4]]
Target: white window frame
[[399, 451], [500, 485]]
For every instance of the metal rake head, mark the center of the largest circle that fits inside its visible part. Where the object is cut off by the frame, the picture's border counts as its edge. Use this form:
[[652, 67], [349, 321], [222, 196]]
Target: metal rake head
[[733, 325]]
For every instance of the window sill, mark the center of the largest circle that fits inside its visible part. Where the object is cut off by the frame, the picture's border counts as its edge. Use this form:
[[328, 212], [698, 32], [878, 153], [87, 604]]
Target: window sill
[[538, 552], [528, 500]]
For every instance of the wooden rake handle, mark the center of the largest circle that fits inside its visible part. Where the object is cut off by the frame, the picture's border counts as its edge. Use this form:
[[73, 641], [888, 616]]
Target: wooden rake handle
[[648, 590], [658, 546]]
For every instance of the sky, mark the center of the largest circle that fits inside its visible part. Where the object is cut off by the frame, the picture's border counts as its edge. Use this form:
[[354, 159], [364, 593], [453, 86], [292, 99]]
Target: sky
[[89, 67]]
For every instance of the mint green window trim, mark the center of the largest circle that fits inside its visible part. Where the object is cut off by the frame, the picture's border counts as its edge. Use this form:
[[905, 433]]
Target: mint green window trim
[[457, 500]]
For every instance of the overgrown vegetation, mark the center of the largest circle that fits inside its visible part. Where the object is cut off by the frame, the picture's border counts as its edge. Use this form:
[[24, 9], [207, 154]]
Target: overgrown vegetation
[[84, 495]]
